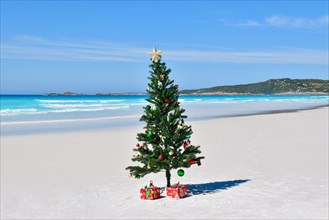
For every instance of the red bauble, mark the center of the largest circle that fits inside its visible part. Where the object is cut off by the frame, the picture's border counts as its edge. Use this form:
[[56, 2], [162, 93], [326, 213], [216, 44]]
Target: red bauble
[[166, 100], [185, 144], [164, 109], [176, 86], [191, 161], [161, 157], [137, 145]]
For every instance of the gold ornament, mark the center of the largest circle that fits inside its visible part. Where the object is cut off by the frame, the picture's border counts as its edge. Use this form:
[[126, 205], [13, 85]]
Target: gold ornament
[[155, 55], [154, 108], [171, 152], [162, 77], [148, 166]]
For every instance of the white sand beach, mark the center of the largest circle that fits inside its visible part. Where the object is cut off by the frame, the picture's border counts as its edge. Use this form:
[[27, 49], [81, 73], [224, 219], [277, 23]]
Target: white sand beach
[[271, 166]]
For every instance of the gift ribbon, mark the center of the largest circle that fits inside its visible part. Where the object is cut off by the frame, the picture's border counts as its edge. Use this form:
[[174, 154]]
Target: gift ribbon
[[147, 193], [181, 192]]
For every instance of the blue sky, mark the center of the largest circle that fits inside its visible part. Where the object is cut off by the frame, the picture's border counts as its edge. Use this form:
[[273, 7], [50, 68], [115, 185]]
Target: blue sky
[[101, 46]]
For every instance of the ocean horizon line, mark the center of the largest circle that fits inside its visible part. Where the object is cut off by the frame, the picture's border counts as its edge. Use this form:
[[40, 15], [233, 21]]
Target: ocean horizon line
[[279, 86]]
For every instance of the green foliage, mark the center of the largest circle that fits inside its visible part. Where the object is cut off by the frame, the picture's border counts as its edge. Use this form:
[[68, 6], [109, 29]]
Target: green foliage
[[273, 86], [165, 134]]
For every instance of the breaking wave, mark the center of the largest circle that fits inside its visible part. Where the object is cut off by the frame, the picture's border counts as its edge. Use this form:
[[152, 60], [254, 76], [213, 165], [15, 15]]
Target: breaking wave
[[27, 111]]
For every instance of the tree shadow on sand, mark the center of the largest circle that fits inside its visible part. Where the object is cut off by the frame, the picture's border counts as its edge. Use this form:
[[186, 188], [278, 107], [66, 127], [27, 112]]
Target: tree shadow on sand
[[207, 188]]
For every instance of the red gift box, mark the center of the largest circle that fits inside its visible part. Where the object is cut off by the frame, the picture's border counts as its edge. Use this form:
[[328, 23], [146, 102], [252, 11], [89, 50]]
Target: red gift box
[[177, 191], [150, 193]]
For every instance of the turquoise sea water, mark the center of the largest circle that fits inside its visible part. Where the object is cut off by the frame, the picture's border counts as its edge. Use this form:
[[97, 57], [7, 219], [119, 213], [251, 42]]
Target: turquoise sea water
[[16, 108], [22, 108]]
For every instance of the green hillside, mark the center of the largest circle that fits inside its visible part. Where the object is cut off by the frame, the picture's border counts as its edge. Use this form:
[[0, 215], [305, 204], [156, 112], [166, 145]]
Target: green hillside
[[272, 86]]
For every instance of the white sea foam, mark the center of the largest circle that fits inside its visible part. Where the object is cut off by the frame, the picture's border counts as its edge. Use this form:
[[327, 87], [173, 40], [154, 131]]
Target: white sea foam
[[10, 112], [68, 120], [61, 109], [80, 105], [90, 109], [192, 101], [110, 101]]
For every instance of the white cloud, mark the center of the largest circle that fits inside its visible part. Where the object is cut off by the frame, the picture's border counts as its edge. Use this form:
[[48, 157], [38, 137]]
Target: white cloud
[[249, 23], [281, 21], [297, 55], [297, 22], [31, 47], [35, 48]]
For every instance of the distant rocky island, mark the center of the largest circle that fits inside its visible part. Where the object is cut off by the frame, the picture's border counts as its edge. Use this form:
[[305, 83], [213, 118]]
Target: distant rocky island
[[284, 86], [64, 94]]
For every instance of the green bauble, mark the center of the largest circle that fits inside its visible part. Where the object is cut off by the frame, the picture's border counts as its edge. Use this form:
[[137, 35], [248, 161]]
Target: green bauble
[[180, 172], [149, 134]]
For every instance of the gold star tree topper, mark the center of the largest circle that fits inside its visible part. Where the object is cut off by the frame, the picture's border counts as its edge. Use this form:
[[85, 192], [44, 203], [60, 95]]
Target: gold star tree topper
[[155, 55]]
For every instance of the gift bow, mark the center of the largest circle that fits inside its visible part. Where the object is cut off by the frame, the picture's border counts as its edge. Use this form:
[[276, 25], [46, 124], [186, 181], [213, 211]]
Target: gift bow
[[148, 189], [175, 185]]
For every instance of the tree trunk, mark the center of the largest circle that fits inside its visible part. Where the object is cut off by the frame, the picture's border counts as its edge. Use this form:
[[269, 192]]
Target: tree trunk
[[168, 177]]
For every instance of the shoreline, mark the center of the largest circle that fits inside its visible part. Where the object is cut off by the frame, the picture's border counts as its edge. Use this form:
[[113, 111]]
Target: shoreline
[[198, 118], [115, 122], [267, 112]]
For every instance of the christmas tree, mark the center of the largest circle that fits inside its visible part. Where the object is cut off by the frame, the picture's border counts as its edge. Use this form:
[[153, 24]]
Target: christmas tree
[[165, 144]]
